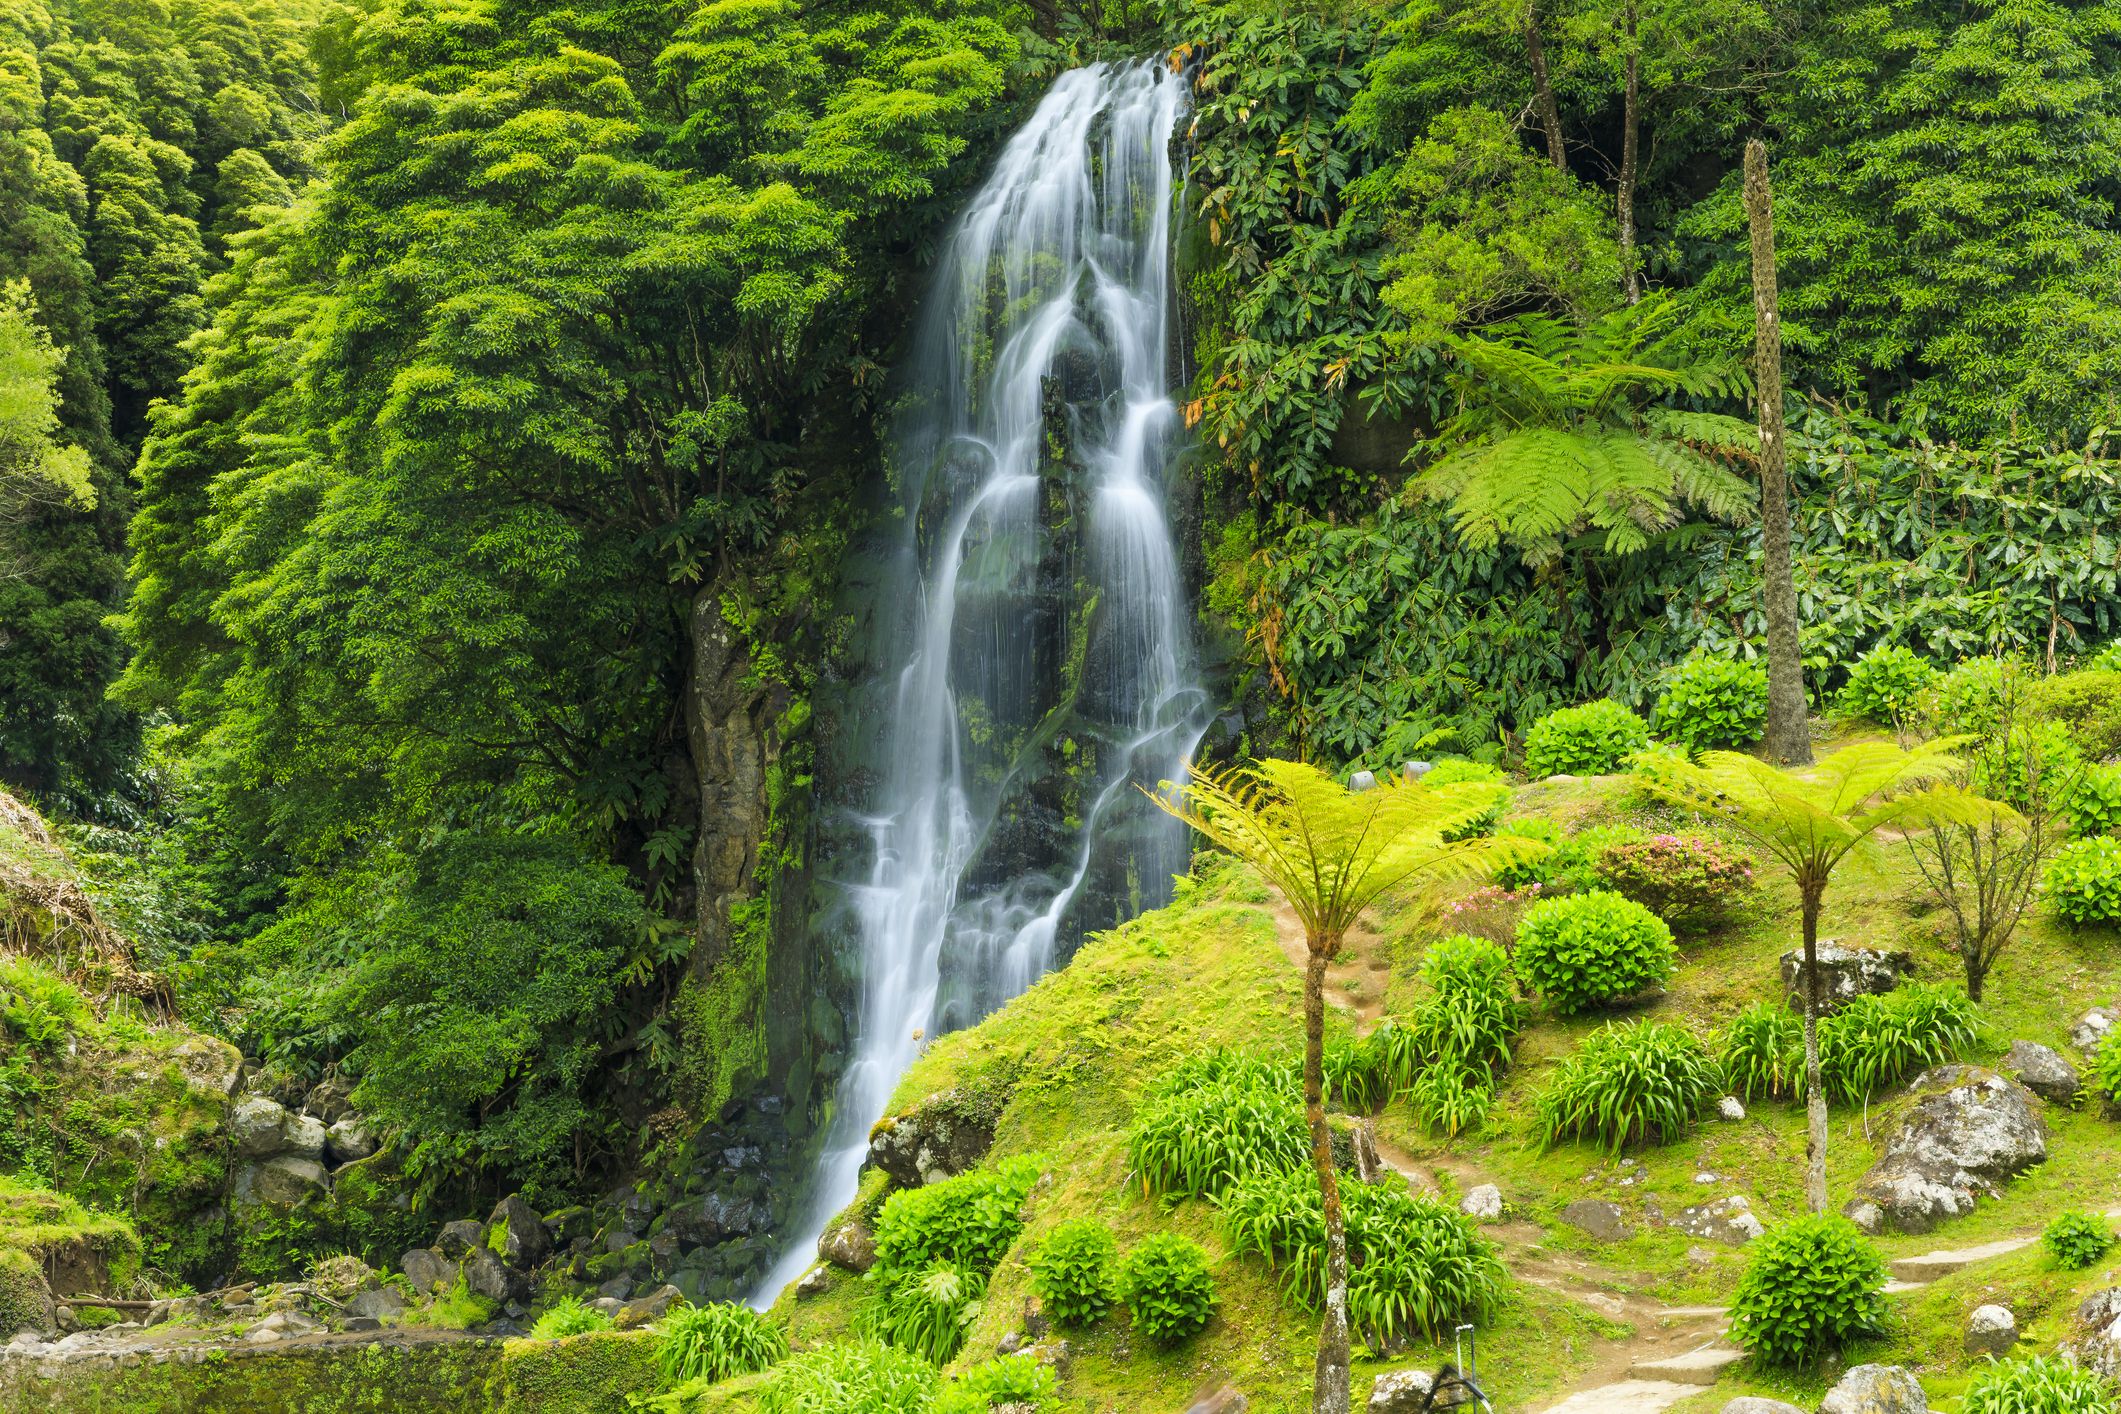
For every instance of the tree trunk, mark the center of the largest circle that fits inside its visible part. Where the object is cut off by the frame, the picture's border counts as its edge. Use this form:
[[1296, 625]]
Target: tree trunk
[[1543, 90], [1789, 731], [1814, 1089], [1630, 128], [1330, 1384]]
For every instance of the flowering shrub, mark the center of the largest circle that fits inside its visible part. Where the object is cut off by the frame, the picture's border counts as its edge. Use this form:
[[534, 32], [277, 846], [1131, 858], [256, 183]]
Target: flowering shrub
[[1692, 882], [1492, 912]]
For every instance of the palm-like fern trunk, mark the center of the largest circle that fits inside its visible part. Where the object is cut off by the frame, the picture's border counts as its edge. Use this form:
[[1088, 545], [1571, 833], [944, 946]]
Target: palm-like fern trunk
[[1814, 1088], [1330, 1385]]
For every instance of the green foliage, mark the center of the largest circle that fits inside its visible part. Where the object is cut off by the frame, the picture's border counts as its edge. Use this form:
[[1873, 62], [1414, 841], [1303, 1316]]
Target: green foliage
[[1416, 1266], [2037, 1384], [457, 1308], [850, 1375], [1693, 882], [2088, 705], [2093, 802], [2106, 1071], [2076, 1239], [1011, 1380], [1879, 1040], [2083, 881], [1629, 1082], [927, 1311], [1709, 701], [1072, 1271], [1762, 1050], [1590, 740], [716, 1341], [1447, 1051], [1355, 1072], [1885, 685], [1570, 864], [1457, 770], [1215, 1118], [1970, 700], [1811, 1286], [967, 1221], [1164, 1281], [568, 1316], [1592, 949]]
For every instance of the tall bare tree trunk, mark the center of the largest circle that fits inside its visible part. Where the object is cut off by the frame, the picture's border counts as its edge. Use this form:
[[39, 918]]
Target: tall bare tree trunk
[[1630, 129], [1814, 1088], [1331, 1380], [1789, 731], [1543, 89]]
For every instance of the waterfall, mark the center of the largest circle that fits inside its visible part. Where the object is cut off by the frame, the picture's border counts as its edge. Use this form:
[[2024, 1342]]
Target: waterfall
[[1031, 657]]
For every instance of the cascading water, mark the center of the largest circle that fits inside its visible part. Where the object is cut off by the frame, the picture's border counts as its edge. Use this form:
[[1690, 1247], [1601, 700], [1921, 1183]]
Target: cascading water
[[1029, 633]]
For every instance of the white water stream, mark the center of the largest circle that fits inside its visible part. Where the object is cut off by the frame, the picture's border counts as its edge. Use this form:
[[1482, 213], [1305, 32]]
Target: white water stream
[[1057, 270]]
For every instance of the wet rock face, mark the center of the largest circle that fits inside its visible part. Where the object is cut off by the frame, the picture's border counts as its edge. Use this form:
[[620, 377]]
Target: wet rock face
[[944, 1135], [1876, 1389], [1968, 1132], [1845, 974]]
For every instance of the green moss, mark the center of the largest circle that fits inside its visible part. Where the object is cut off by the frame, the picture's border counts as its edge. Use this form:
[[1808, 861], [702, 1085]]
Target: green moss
[[457, 1309], [583, 1374], [720, 1019], [42, 1223], [440, 1377], [25, 1302]]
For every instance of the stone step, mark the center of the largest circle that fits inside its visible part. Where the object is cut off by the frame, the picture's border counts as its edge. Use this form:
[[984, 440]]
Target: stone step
[[1696, 1367], [1926, 1268], [1627, 1397]]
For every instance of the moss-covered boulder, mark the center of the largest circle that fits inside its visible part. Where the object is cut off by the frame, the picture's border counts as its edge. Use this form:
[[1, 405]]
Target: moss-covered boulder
[[583, 1374]]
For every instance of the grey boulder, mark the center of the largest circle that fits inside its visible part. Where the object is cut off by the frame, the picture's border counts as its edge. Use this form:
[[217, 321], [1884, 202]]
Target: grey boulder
[[381, 1303], [286, 1181], [1968, 1131], [517, 1234], [1754, 1404], [849, 1245], [1876, 1389], [1600, 1219], [2097, 1346], [944, 1135], [2042, 1070], [461, 1238], [1726, 1220], [256, 1124], [348, 1141], [1400, 1392], [427, 1269], [1483, 1203], [2092, 1029], [1845, 974], [1991, 1330]]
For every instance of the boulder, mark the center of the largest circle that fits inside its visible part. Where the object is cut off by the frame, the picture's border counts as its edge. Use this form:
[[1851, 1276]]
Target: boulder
[[488, 1276], [1845, 974], [1876, 1389], [210, 1065], [330, 1099], [286, 1181], [2097, 1346], [380, 1303], [25, 1296], [1968, 1131], [517, 1234], [427, 1269], [716, 1218], [618, 1288], [1991, 1330], [340, 1278], [1754, 1404], [257, 1124], [1730, 1107], [816, 1282], [849, 1244], [303, 1136], [1226, 1400], [1868, 1217], [1727, 1220], [458, 1240], [2042, 1070], [644, 1310], [1600, 1219], [1400, 1392], [2092, 1028], [348, 1142], [944, 1135], [1482, 1204]]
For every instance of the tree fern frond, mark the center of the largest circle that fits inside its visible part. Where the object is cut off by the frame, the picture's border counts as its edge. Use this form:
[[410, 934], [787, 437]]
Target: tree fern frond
[[1710, 433], [1704, 484]]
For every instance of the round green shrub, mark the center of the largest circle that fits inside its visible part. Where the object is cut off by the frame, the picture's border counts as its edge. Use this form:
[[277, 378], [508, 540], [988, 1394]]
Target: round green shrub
[[1072, 1271], [1009, 1380], [1693, 882], [1166, 1286], [1812, 1286], [1589, 949], [2030, 764], [2037, 1384], [1628, 1083], [851, 1375], [2093, 803], [568, 1316], [1591, 740], [2076, 1239], [927, 1312], [716, 1341], [967, 1221], [1886, 685], [1712, 702], [2084, 880], [2087, 703]]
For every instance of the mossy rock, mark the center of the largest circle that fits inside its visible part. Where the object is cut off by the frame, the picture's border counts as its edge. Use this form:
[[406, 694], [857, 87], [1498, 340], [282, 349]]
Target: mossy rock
[[583, 1374], [79, 1251], [436, 1377], [25, 1299]]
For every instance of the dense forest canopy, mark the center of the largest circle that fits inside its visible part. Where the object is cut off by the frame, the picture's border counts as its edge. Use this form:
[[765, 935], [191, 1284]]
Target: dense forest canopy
[[482, 395]]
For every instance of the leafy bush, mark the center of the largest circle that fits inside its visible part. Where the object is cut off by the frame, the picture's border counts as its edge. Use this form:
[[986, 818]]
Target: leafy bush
[[1692, 882], [2093, 804], [1876, 1041], [2030, 764], [716, 1341], [1712, 702], [1886, 685], [1072, 1271], [2084, 880], [1355, 1073], [1416, 1265], [2087, 704], [1590, 740], [1629, 1082], [1009, 1380], [927, 1311], [1762, 1049], [2037, 1384], [967, 1221], [850, 1375], [1217, 1117], [1455, 770], [1166, 1286], [1970, 700], [1589, 949], [2106, 1071], [1812, 1286], [2076, 1239], [1570, 864], [1493, 912], [568, 1316], [1450, 1101]]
